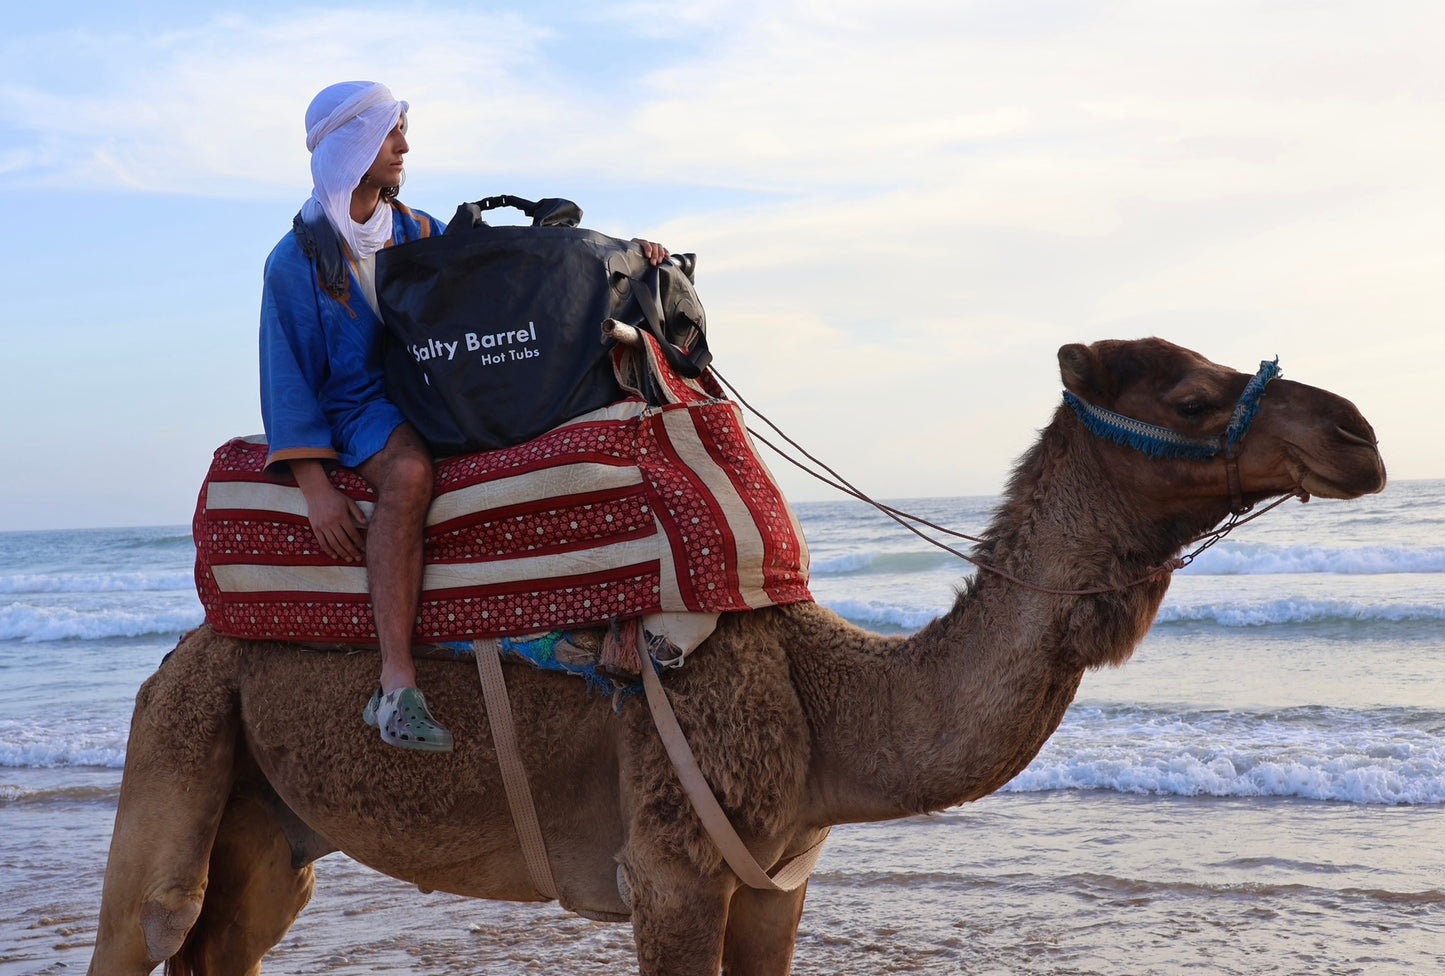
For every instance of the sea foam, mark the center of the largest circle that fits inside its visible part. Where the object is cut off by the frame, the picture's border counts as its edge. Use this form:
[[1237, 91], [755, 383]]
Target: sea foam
[[888, 562], [1225, 559], [28, 622], [1242, 559], [127, 582], [1295, 610], [75, 743], [867, 613], [1389, 758]]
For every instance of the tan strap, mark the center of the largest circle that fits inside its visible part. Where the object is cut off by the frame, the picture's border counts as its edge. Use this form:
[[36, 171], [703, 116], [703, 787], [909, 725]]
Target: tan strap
[[792, 873], [514, 774]]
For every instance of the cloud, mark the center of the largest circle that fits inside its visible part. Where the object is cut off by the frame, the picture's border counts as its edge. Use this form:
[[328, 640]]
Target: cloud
[[900, 209], [1041, 116], [216, 109]]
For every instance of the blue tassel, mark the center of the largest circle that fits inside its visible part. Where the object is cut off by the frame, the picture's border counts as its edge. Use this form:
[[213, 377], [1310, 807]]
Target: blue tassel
[[1249, 402]]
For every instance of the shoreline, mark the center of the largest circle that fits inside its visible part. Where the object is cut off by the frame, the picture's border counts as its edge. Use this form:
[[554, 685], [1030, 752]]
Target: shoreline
[[1014, 883]]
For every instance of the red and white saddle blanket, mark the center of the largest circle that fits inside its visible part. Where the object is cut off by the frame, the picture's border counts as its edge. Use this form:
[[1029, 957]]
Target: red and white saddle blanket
[[631, 510]]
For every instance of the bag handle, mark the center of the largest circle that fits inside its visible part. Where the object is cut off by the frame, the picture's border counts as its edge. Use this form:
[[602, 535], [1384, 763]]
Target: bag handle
[[547, 212]]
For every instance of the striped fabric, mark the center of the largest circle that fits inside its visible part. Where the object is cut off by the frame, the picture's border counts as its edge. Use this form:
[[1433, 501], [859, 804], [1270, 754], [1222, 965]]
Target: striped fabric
[[629, 510]]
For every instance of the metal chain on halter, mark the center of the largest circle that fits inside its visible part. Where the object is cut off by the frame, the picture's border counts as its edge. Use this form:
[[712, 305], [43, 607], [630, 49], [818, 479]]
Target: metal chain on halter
[[911, 522]]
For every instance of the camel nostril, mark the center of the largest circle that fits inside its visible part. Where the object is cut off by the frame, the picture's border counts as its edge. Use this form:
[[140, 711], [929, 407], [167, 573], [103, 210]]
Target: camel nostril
[[1364, 436]]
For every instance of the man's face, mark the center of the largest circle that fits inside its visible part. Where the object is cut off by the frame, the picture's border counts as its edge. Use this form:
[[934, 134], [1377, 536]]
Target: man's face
[[386, 168]]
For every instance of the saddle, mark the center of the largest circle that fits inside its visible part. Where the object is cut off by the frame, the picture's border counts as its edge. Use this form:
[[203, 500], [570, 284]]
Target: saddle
[[636, 508]]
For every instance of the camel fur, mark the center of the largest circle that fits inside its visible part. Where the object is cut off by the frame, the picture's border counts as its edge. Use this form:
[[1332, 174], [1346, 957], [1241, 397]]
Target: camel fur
[[247, 761]]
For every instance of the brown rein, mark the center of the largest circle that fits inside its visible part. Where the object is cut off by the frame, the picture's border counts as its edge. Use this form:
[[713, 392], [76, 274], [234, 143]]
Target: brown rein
[[1206, 539]]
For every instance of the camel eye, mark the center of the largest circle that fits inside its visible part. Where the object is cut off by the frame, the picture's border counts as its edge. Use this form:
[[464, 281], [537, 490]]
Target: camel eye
[[1193, 409]]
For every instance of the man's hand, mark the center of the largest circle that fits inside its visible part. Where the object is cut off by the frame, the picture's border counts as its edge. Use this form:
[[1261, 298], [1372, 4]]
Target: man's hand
[[337, 520], [655, 253], [339, 525]]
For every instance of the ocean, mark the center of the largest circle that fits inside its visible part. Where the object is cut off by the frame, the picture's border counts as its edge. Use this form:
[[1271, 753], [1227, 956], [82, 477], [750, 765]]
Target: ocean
[[1260, 790]]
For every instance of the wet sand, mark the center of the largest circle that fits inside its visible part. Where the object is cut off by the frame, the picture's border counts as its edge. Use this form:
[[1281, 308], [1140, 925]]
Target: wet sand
[[1049, 884]]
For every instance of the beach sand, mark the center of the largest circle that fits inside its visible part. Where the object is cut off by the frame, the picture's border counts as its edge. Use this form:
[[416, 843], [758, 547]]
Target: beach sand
[[1054, 883]]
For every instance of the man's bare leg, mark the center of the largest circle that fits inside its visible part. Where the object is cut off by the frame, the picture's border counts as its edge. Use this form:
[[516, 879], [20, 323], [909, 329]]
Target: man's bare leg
[[401, 475]]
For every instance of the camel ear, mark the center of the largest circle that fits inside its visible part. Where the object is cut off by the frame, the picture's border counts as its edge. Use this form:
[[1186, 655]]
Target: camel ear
[[1082, 371]]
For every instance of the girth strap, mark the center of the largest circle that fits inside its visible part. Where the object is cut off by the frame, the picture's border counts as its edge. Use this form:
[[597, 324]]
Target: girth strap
[[793, 873], [514, 775]]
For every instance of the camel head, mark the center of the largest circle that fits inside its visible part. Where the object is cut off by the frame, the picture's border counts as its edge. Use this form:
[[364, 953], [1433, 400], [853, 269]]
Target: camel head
[[1171, 423]]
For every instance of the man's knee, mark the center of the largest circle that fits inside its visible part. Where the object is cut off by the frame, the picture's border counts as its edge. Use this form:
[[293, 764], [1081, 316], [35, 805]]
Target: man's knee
[[410, 475], [401, 471]]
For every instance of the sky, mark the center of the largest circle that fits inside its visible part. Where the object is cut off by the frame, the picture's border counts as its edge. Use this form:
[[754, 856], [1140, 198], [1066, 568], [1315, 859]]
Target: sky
[[900, 210]]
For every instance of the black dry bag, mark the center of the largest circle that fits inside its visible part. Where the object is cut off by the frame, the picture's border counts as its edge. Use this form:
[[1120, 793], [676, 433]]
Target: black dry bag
[[494, 333]]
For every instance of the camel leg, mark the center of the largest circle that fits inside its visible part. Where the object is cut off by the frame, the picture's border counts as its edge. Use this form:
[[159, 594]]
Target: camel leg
[[677, 921], [762, 928], [177, 778], [252, 897]]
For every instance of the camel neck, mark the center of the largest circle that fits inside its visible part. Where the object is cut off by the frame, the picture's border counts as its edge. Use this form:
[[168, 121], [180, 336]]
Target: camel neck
[[961, 707]]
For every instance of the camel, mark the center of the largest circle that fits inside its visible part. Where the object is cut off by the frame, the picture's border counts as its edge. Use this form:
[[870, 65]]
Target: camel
[[248, 761]]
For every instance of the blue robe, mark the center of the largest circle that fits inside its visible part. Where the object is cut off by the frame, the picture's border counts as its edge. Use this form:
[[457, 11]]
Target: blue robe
[[323, 393]]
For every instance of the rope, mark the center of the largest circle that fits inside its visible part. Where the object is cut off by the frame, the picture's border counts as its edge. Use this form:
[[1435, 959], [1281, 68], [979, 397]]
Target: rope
[[839, 482], [908, 521]]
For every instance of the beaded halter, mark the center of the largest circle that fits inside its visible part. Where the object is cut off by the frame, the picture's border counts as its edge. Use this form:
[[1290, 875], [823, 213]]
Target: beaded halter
[[1162, 442]]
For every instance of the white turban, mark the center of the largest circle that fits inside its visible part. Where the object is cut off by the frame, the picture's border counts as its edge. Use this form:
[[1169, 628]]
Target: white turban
[[346, 125]]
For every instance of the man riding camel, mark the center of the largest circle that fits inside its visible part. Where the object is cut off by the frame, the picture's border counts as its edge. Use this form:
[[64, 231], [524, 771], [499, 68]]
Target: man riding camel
[[323, 397]]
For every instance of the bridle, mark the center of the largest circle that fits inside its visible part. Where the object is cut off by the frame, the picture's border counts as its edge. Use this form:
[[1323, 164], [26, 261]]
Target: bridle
[[1162, 442]]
